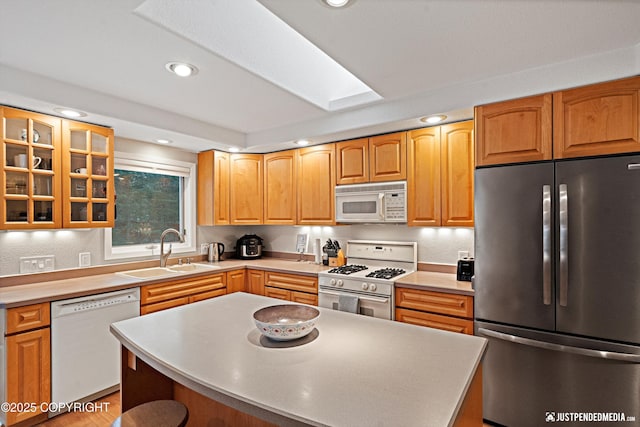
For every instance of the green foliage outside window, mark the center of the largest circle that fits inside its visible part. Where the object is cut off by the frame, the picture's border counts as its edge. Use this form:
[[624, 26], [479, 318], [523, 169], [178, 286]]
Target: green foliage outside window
[[147, 204]]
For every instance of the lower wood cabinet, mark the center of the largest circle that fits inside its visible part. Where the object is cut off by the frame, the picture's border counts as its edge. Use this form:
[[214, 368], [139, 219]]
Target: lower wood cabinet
[[255, 282], [236, 281], [28, 361], [440, 310], [175, 293], [291, 287]]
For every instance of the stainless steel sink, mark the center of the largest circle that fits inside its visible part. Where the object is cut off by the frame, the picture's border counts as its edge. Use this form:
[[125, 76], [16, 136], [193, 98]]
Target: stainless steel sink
[[193, 268], [176, 270]]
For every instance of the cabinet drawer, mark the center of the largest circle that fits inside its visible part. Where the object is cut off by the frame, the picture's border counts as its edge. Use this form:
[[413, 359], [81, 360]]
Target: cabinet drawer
[[277, 293], [22, 319], [292, 282], [437, 321], [435, 302], [206, 295], [304, 298], [179, 288], [163, 305]]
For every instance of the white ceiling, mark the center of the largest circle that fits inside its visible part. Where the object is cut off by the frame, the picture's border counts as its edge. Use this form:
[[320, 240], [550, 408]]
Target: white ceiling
[[421, 56]]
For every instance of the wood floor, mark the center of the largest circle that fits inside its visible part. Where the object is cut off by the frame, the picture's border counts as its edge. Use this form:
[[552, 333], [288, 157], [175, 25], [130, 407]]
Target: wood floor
[[98, 418]]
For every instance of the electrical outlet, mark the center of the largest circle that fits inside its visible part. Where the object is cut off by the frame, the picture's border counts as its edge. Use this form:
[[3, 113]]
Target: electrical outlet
[[37, 264], [463, 254], [84, 259], [204, 248]]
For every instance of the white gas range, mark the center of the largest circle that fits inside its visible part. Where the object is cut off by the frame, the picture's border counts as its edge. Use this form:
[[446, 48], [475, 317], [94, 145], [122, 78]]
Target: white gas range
[[365, 285]]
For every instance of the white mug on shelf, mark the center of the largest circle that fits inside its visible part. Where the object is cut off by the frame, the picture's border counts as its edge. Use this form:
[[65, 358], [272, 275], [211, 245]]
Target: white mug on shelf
[[82, 171], [20, 161], [36, 161]]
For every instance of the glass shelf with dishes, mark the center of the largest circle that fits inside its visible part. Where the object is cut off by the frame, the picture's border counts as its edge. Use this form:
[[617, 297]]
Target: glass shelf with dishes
[[88, 164], [30, 160]]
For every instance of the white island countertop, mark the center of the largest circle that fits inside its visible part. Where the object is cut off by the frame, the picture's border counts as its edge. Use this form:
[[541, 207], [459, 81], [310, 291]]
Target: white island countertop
[[354, 371]]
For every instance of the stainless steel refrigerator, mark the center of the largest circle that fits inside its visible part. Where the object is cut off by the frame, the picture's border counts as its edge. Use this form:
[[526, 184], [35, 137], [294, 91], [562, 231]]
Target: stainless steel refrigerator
[[557, 291]]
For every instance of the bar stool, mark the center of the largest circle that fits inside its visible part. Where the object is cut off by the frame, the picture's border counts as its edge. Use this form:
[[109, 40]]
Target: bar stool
[[159, 413]]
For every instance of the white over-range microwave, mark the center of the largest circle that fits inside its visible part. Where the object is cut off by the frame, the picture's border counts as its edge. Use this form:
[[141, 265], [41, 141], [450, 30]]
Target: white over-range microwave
[[384, 202]]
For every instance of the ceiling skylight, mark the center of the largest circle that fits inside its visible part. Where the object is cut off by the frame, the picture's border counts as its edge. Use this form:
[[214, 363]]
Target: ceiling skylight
[[249, 35]]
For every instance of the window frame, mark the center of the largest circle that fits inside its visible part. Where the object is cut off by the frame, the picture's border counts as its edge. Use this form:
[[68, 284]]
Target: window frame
[[142, 163]]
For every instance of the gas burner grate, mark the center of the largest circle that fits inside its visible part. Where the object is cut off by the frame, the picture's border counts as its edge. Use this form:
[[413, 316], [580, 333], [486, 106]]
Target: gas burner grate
[[386, 273], [348, 269]]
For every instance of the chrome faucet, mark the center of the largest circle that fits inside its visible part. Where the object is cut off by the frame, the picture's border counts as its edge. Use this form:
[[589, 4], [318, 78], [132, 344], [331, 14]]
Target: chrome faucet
[[164, 256]]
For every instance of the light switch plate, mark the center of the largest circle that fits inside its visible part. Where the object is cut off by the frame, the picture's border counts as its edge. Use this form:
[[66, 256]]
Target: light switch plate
[[37, 264], [84, 259], [301, 243]]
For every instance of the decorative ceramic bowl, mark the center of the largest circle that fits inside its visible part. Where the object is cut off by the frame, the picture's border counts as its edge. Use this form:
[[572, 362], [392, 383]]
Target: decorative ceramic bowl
[[286, 322]]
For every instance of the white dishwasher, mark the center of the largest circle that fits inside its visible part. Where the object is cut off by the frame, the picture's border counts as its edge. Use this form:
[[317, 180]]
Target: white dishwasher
[[85, 356]]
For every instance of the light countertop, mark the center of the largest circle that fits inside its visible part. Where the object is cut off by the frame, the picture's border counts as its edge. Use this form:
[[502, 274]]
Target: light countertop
[[373, 372], [439, 282], [72, 287]]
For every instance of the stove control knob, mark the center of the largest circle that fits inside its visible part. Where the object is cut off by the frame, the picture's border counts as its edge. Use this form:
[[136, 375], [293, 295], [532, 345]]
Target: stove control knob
[[340, 283], [372, 287], [365, 286], [332, 282]]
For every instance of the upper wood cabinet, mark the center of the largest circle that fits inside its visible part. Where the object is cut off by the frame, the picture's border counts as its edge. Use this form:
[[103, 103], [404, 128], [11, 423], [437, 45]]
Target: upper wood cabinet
[[246, 189], [456, 175], [375, 159], [87, 175], [280, 187], [597, 119], [423, 181], [388, 157], [514, 131], [213, 188], [440, 176], [31, 153], [316, 185], [352, 161]]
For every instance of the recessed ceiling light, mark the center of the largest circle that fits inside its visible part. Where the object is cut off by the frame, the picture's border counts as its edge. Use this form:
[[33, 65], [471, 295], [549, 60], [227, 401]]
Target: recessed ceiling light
[[433, 119], [234, 149], [336, 3], [302, 142], [70, 113], [163, 141], [181, 69]]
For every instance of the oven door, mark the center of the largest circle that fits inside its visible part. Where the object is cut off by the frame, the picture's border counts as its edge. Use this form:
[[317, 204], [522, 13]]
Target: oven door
[[369, 305]]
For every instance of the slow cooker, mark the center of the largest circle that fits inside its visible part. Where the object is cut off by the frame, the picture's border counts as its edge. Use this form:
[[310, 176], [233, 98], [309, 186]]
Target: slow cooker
[[249, 246]]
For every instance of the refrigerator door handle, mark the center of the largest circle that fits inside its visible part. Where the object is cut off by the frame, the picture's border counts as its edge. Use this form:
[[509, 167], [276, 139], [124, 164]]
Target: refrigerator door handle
[[600, 354], [610, 355], [546, 244], [633, 166], [564, 245]]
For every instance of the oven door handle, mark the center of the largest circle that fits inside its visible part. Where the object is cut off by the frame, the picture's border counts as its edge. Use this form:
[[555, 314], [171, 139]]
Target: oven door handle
[[363, 297]]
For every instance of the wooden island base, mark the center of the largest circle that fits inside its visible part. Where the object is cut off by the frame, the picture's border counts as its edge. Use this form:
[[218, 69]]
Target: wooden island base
[[141, 383]]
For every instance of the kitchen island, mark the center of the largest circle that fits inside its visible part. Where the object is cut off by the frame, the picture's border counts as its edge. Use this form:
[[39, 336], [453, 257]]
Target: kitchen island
[[350, 371]]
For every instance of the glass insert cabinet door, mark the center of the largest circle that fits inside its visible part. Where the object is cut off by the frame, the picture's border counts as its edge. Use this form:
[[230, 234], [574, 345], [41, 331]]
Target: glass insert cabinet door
[[87, 167], [30, 156]]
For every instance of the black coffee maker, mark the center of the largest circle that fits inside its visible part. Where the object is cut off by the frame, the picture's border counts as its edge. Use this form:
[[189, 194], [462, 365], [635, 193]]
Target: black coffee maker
[[465, 269]]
